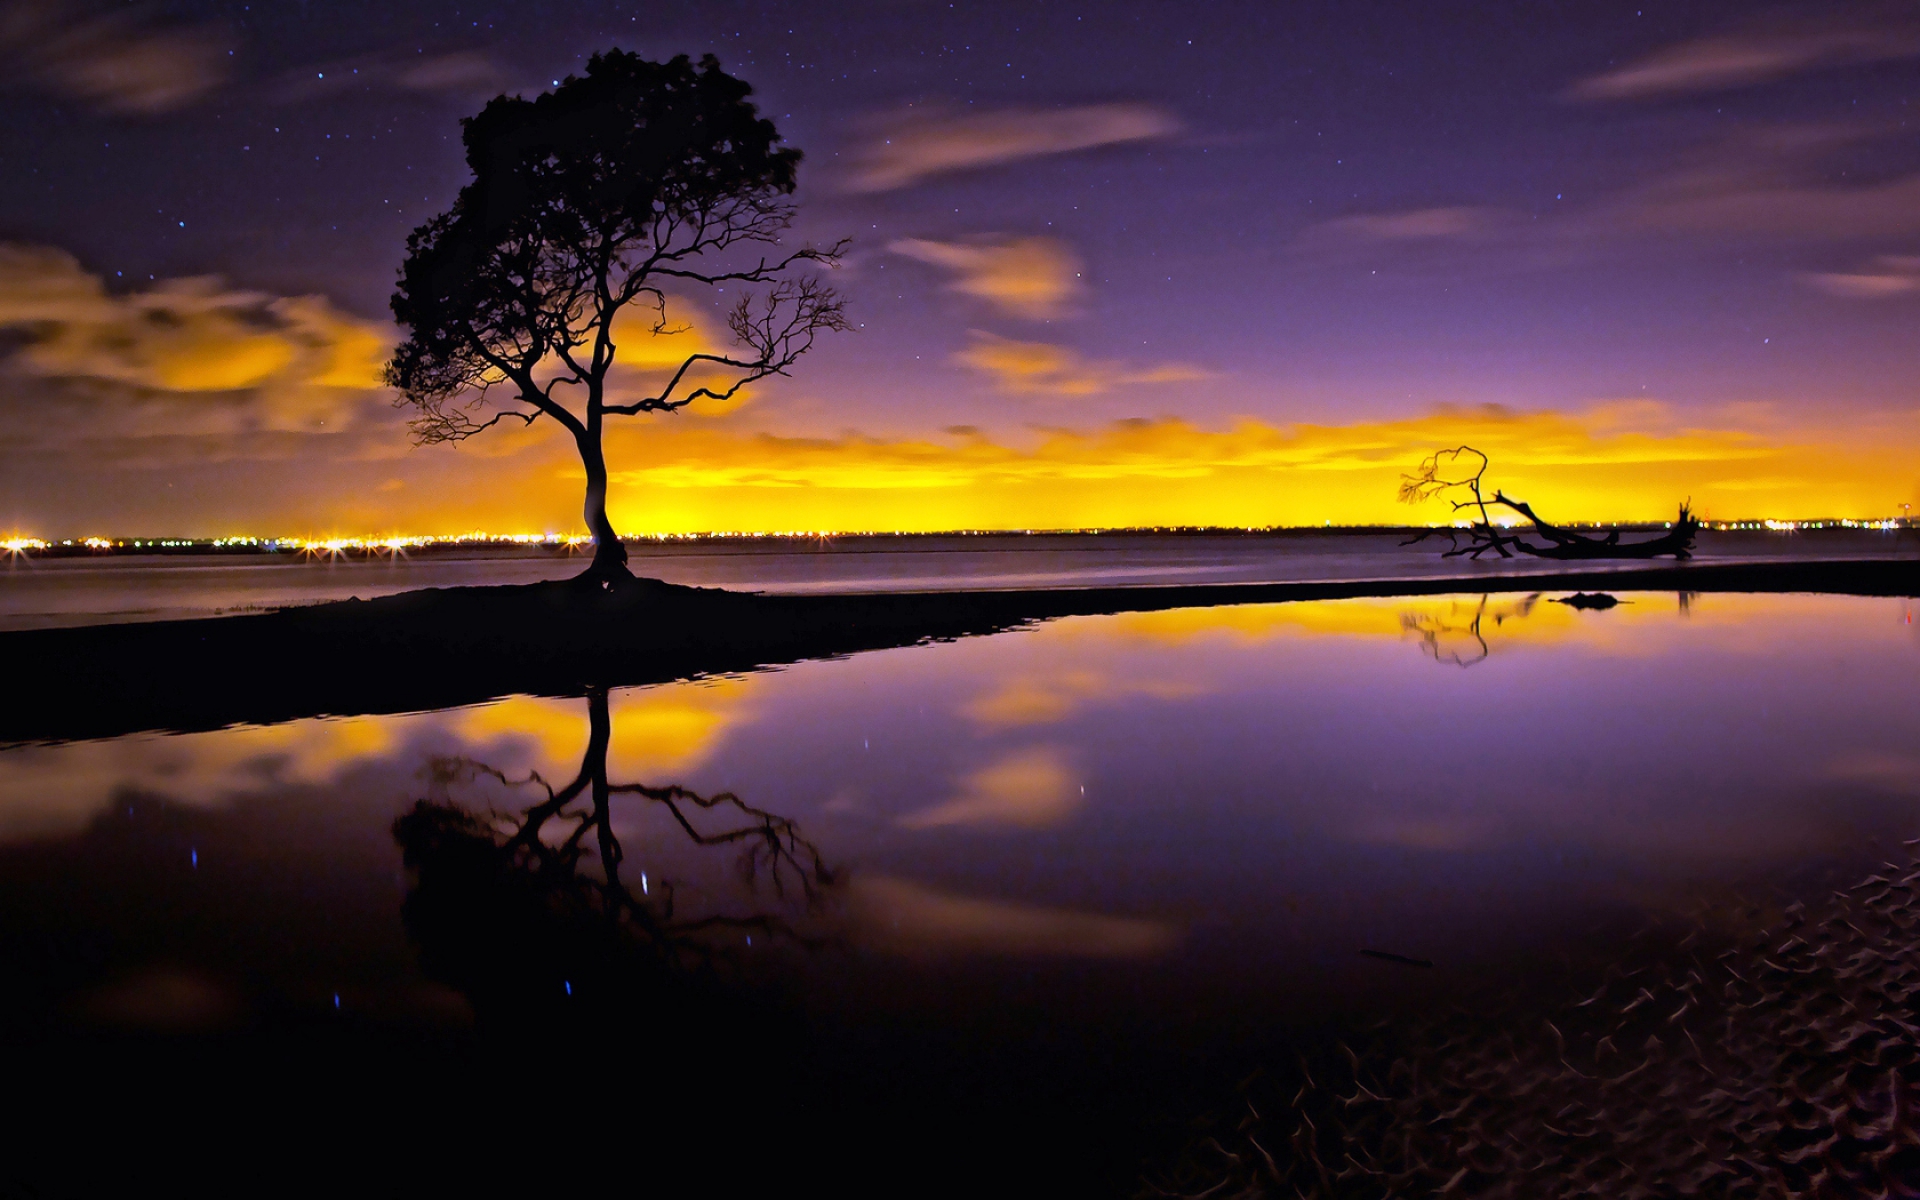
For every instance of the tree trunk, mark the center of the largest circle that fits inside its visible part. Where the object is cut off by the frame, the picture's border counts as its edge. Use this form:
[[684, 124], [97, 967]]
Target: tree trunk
[[609, 553]]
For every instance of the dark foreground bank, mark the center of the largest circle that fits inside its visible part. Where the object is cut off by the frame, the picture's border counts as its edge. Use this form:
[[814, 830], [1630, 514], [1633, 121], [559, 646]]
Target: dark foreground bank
[[438, 648]]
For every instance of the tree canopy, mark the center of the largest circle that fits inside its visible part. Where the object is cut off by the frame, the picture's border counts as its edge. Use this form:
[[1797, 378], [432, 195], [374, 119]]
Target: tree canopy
[[632, 178]]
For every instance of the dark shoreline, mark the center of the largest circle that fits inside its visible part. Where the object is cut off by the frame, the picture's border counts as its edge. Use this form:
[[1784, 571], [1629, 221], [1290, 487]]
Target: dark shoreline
[[437, 648]]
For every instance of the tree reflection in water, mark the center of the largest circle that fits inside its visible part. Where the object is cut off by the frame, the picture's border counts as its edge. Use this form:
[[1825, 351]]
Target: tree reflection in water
[[530, 910]]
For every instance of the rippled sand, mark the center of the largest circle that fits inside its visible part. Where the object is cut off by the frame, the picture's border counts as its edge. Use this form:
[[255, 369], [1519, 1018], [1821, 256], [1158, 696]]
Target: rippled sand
[[1780, 1063]]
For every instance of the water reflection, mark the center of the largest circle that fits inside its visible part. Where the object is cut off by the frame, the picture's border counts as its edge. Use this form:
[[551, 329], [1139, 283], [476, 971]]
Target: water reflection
[[1074, 846], [1451, 635], [532, 908], [1142, 786]]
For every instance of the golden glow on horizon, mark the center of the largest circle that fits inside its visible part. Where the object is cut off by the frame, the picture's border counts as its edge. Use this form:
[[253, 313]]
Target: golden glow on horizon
[[1624, 463], [400, 543]]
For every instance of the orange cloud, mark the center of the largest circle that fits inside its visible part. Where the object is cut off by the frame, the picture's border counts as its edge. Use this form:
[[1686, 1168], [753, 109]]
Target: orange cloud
[[916, 144], [295, 358], [1044, 369], [1890, 275], [1033, 277]]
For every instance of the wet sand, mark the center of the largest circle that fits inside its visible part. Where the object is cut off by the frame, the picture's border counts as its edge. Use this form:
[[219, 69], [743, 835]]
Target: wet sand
[[1777, 1060]]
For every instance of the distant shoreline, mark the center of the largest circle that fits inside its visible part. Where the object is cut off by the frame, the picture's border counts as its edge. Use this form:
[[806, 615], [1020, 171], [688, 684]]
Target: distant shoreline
[[440, 648], [374, 546]]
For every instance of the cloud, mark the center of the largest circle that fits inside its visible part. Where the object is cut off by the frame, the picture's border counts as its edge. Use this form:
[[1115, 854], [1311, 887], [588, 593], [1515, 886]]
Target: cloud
[[246, 361], [123, 62], [1033, 277], [1790, 181], [1044, 369], [1742, 59], [1027, 789], [1890, 275], [470, 74], [1420, 224], [911, 146], [1782, 181], [911, 918]]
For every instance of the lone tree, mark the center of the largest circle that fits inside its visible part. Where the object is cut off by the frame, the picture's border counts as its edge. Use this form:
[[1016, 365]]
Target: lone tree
[[1458, 475], [600, 194]]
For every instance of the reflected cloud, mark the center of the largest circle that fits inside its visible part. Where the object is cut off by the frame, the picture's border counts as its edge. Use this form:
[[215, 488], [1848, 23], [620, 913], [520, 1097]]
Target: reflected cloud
[[1034, 788], [125, 60], [1033, 277], [1895, 774], [658, 730], [162, 1001], [1042, 699], [915, 144], [913, 919], [1436, 833], [51, 791]]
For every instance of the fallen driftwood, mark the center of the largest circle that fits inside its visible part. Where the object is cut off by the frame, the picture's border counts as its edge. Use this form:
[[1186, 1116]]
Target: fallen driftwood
[[1437, 476], [1595, 600]]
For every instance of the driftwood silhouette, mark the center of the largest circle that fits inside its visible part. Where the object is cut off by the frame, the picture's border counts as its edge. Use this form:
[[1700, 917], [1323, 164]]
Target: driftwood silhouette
[[1445, 473]]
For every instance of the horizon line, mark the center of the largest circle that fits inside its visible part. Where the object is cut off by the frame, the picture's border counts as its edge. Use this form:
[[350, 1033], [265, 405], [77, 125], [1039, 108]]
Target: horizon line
[[15, 544]]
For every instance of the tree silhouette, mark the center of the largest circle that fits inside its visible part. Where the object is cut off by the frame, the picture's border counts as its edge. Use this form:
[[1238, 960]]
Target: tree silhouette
[[593, 197], [1461, 471]]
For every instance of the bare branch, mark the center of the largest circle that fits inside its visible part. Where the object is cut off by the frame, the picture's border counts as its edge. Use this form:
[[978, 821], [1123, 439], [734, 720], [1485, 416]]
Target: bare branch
[[778, 327]]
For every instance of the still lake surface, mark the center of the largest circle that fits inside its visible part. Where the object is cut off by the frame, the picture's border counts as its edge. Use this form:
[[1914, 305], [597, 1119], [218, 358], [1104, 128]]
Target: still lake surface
[[1103, 866]]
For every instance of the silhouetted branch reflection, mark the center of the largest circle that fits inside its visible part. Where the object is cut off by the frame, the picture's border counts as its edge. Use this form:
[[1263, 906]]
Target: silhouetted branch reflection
[[529, 909], [1446, 637]]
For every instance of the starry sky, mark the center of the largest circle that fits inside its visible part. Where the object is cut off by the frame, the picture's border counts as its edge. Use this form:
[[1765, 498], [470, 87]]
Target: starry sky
[[1112, 264]]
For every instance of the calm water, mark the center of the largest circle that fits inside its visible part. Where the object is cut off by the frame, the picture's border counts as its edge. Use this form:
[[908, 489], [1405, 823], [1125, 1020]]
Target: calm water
[[1078, 878], [36, 593]]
